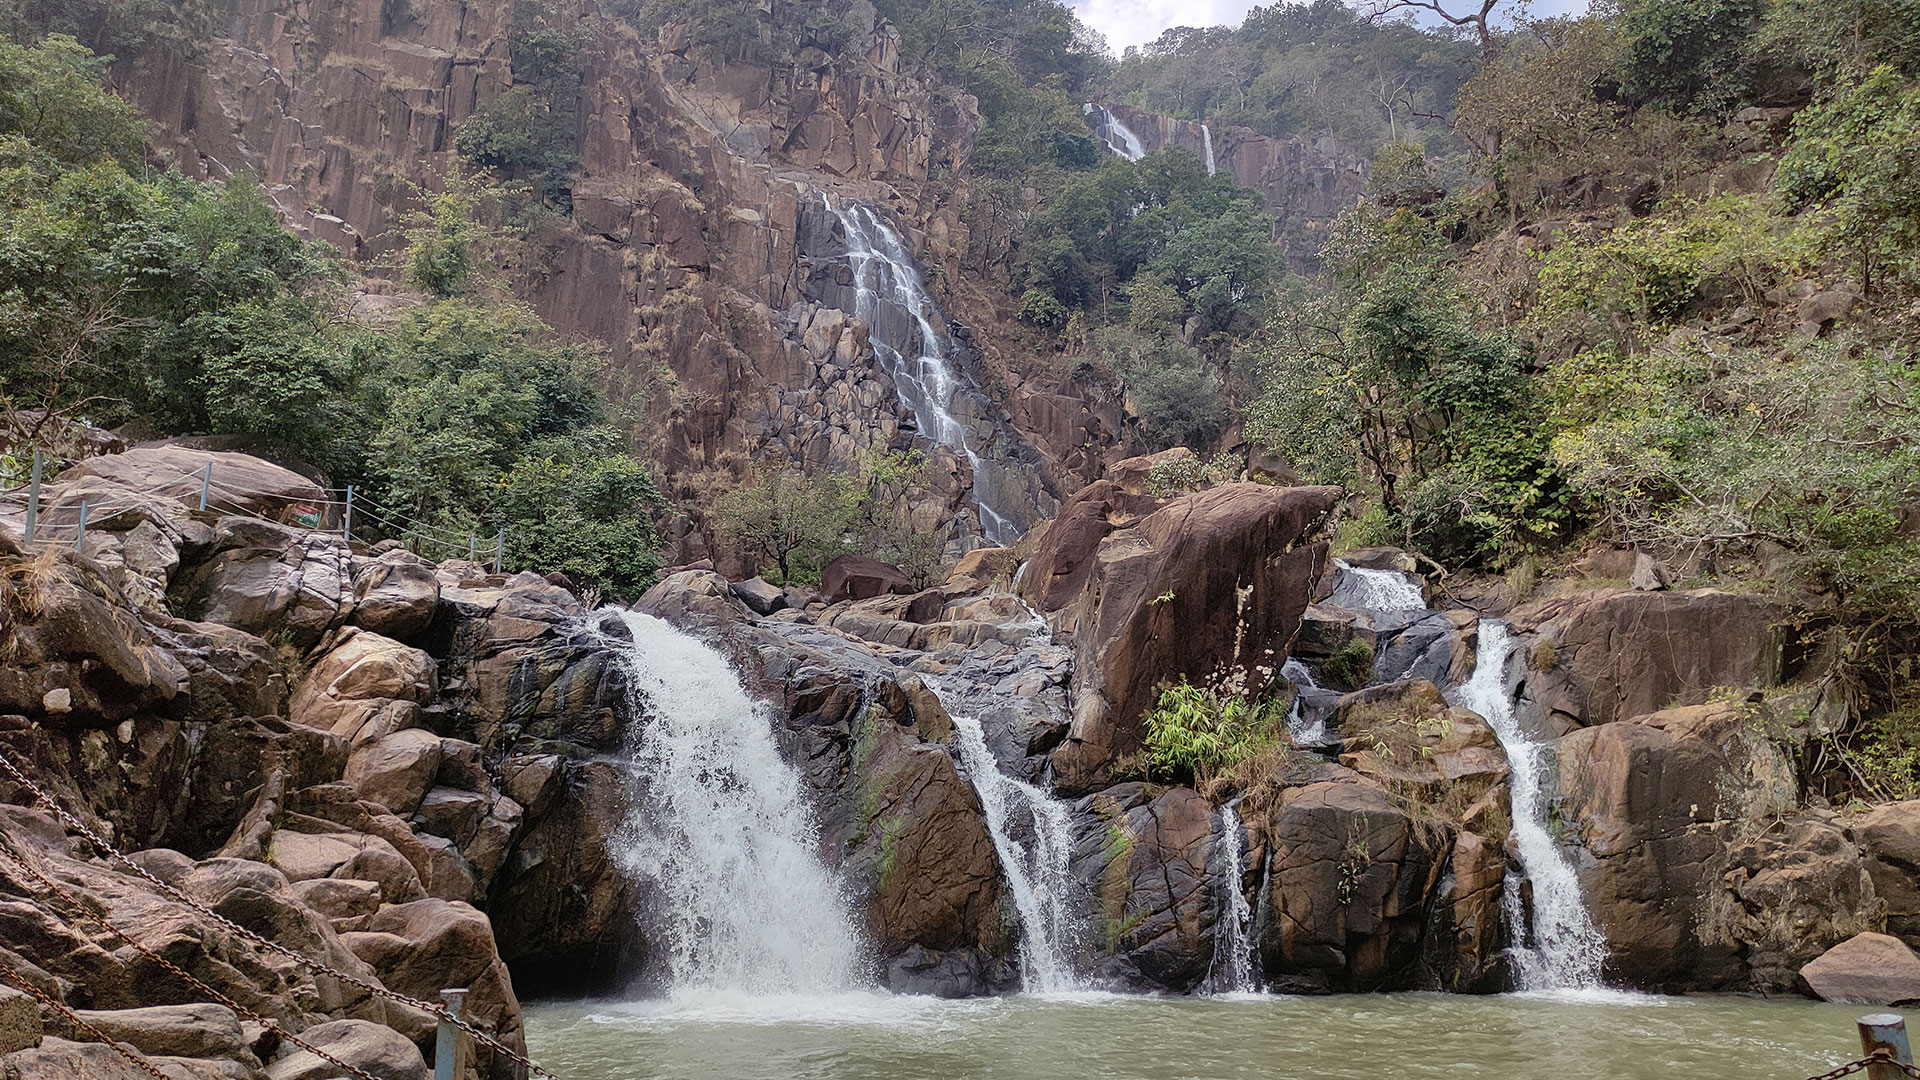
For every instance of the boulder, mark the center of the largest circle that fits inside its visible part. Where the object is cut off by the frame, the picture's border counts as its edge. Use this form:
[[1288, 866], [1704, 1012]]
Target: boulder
[[395, 595], [367, 683], [425, 946], [375, 1049], [760, 595], [985, 564], [1146, 865], [858, 577], [452, 813], [1621, 653], [200, 1030], [19, 1020], [269, 579], [690, 592], [1653, 800], [395, 770], [1210, 585], [62, 1059], [338, 898], [1866, 969], [237, 484], [1890, 836]]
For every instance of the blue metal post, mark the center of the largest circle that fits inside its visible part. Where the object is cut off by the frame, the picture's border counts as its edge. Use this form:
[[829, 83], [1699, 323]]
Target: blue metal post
[[33, 497], [1888, 1032], [346, 520], [206, 485], [80, 541], [446, 1041]]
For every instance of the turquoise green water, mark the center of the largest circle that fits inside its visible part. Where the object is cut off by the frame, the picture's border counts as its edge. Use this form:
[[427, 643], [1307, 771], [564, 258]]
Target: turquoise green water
[[1096, 1037]]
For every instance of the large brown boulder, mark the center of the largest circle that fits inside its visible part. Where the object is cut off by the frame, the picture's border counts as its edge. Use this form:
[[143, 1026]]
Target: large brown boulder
[[1890, 836], [366, 687], [1210, 585], [934, 910], [1655, 801], [237, 483], [426, 946], [378, 1051], [1866, 969], [269, 579], [1156, 904], [1348, 890], [395, 595], [860, 577], [1615, 654]]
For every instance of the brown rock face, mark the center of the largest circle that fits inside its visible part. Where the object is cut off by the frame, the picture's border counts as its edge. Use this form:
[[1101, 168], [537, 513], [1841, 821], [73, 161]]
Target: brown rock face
[[1155, 903], [1206, 585], [1620, 654], [1890, 835], [1349, 881], [861, 577], [1866, 969]]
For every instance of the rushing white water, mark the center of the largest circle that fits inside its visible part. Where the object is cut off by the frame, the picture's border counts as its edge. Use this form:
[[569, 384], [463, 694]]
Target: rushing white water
[[1566, 948], [1110, 128], [1206, 143], [1383, 590], [917, 361], [1299, 729], [1233, 929], [1040, 880], [720, 828]]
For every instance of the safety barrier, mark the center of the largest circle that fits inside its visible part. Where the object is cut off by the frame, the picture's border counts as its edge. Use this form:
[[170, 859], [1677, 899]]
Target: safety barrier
[[354, 506], [1883, 1036]]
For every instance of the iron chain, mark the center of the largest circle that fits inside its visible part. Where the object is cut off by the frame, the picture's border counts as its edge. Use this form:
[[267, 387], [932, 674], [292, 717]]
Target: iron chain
[[60, 1007], [102, 921], [434, 1009], [1878, 1057]]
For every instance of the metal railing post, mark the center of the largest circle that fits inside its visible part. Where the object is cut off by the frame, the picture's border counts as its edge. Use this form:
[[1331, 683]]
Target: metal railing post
[[33, 497], [346, 519], [81, 540], [446, 1042], [1885, 1032], [500, 551], [206, 485]]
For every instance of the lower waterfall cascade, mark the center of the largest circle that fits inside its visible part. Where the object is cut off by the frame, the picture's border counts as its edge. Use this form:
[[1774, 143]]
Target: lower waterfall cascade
[[1039, 879], [723, 832], [1233, 955], [1565, 949]]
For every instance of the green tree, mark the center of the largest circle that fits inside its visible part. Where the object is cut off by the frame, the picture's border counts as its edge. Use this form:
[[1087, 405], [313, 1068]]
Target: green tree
[[1858, 155], [795, 521]]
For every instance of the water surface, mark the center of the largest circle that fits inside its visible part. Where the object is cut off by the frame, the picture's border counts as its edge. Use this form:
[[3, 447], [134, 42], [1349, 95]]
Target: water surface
[[860, 1036]]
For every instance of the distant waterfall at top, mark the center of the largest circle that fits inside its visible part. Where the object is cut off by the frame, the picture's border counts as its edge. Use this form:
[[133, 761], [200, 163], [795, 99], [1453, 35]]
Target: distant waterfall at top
[[1039, 879], [1233, 925], [721, 829], [1119, 138], [1206, 142], [1566, 948], [913, 352]]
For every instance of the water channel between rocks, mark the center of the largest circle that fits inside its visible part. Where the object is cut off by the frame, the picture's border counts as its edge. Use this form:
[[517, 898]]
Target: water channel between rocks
[[1095, 1036]]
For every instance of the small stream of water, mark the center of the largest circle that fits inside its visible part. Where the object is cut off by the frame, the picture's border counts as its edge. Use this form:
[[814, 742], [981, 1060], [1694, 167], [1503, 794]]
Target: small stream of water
[[1565, 949], [1233, 963]]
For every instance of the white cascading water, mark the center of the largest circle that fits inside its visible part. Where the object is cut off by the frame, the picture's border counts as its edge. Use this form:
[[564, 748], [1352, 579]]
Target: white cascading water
[[1383, 590], [1302, 732], [1233, 927], [1110, 128], [1206, 143], [922, 373], [1041, 879], [720, 828], [1566, 949]]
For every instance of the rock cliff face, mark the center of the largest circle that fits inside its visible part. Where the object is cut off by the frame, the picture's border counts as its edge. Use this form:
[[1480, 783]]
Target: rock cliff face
[[694, 246]]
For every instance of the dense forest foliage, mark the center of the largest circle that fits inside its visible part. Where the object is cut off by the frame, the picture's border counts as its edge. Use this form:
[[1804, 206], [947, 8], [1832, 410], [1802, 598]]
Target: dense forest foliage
[[130, 294]]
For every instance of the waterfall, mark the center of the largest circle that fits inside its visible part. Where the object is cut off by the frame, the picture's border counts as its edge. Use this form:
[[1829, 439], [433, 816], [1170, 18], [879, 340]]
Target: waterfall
[[914, 353], [1381, 590], [719, 827], [1233, 926], [1206, 143], [1109, 128], [1298, 729], [1041, 879], [1566, 947]]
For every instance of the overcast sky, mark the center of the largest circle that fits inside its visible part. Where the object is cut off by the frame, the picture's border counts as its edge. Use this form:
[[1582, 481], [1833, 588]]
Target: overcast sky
[[1136, 22]]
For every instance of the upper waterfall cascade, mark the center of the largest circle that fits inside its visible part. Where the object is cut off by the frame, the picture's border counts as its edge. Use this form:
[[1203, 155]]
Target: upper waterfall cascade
[[1206, 142], [720, 828], [1383, 590], [1119, 138], [1566, 948], [914, 354]]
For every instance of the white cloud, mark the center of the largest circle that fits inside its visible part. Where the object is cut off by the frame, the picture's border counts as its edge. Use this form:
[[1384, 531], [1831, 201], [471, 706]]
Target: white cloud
[[1136, 22]]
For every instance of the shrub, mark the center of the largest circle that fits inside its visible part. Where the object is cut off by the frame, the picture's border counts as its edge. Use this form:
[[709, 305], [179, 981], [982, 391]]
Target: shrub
[[1220, 741], [1352, 665]]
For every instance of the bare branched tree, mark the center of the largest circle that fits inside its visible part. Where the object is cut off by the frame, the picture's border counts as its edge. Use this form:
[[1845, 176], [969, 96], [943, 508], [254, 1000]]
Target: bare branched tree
[[1476, 17]]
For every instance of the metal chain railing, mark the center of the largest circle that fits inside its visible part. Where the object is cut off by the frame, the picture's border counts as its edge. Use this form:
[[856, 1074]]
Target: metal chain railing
[[432, 1008], [101, 921], [1878, 1057], [138, 1061]]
